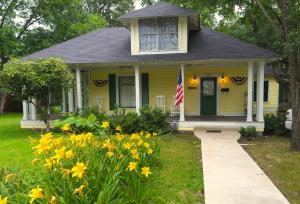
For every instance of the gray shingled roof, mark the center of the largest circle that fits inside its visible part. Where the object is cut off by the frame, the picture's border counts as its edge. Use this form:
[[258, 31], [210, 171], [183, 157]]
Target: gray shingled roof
[[158, 10], [112, 45]]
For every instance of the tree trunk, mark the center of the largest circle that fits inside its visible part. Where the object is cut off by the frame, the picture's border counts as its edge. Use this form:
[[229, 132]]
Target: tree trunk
[[2, 102], [295, 97]]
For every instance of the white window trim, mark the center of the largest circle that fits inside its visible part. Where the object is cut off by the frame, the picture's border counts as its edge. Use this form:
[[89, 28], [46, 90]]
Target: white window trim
[[117, 89]]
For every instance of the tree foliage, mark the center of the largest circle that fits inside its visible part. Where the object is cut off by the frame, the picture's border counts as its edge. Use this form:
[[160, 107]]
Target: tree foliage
[[38, 80]]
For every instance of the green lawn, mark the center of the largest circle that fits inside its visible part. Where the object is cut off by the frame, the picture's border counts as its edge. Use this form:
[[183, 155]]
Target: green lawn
[[181, 178], [15, 150], [180, 181], [282, 165]]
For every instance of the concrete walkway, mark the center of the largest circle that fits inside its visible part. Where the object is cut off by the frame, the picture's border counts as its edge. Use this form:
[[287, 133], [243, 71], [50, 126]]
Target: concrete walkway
[[230, 174]]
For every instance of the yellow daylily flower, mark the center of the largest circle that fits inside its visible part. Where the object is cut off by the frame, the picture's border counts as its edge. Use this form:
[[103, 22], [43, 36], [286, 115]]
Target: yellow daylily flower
[[148, 135], [120, 137], [146, 171], [127, 146], [36, 193], [136, 156], [146, 144], [69, 154], [34, 161], [150, 151], [66, 172], [78, 170], [105, 124], [118, 128], [58, 142], [66, 128], [53, 200], [49, 162], [110, 154], [60, 153], [140, 142], [44, 144], [3, 200], [88, 136], [8, 177], [79, 190], [135, 136], [134, 151], [132, 166]]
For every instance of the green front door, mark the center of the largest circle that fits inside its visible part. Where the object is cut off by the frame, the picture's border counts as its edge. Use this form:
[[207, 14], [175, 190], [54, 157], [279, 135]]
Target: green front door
[[208, 96]]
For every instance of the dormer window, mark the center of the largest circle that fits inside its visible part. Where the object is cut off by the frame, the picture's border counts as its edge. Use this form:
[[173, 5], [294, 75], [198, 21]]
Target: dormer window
[[158, 34]]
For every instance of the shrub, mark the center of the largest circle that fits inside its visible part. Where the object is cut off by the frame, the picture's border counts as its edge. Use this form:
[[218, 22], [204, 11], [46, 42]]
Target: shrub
[[275, 124], [79, 124], [248, 132], [154, 119], [82, 168], [129, 121], [150, 119], [100, 115]]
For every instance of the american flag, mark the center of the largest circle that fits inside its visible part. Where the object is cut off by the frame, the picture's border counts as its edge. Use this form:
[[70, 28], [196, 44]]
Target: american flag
[[179, 91]]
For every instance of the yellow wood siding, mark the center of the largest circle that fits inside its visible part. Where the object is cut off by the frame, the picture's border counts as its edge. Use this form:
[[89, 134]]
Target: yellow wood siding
[[134, 36], [163, 81], [182, 33]]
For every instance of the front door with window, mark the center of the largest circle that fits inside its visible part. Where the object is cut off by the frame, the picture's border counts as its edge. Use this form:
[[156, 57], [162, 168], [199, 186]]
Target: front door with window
[[208, 96]]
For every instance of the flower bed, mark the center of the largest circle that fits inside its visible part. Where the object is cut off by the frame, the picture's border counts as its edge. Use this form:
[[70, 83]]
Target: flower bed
[[84, 168]]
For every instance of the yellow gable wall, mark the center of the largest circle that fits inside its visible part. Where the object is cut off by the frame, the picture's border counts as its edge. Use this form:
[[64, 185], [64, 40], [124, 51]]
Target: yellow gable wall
[[163, 81]]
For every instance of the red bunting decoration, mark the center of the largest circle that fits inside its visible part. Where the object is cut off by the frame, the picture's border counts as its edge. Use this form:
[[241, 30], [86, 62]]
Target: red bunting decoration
[[100, 83], [238, 80]]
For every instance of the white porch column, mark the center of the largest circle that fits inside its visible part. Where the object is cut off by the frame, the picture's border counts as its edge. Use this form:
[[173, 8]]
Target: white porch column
[[137, 89], [250, 92], [78, 88], [25, 111], [33, 110], [63, 93], [260, 92], [71, 100], [182, 118]]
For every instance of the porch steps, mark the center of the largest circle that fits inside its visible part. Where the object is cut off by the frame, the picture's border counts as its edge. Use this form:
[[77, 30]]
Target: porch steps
[[218, 125], [216, 129]]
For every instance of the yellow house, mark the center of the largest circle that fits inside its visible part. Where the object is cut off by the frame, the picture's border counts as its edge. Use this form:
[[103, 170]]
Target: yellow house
[[139, 65]]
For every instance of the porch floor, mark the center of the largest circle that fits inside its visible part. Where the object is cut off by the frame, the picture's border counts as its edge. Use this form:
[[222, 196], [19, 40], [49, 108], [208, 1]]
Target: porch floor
[[213, 118]]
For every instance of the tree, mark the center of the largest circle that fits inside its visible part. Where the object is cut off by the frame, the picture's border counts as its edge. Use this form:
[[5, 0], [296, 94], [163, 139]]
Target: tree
[[284, 18], [30, 25], [37, 80], [109, 9]]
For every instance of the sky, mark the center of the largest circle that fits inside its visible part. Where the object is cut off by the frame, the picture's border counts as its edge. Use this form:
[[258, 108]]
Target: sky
[[137, 4]]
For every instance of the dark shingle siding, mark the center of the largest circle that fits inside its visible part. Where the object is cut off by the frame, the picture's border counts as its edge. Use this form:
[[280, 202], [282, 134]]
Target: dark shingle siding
[[112, 45]]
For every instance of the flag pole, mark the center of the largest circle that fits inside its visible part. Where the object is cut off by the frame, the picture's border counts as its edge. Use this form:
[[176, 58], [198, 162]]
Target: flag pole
[[182, 118]]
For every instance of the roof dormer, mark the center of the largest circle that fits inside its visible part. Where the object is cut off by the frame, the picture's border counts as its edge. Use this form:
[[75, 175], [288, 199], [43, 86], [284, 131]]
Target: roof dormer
[[160, 28]]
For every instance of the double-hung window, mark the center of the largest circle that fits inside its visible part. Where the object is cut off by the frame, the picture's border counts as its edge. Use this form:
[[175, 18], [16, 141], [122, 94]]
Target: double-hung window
[[126, 87], [158, 34], [266, 91]]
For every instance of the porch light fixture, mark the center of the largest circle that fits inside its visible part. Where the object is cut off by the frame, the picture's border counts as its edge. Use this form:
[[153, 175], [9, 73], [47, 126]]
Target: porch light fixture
[[193, 82], [222, 81]]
